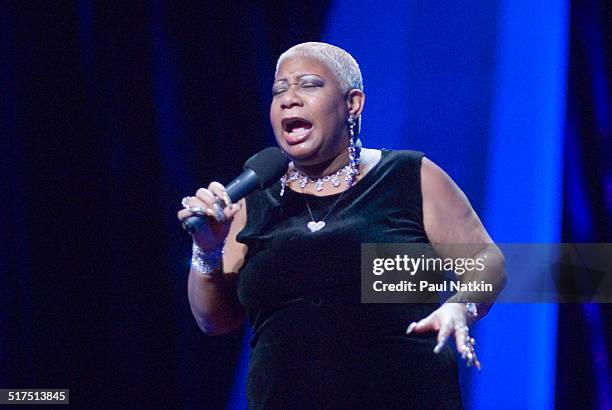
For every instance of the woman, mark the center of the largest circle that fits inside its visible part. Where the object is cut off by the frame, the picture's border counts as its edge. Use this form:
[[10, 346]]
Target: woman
[[291, 256]]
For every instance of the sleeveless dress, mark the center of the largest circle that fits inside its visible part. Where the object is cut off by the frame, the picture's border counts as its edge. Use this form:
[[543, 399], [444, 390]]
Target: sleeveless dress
[[314, 344]]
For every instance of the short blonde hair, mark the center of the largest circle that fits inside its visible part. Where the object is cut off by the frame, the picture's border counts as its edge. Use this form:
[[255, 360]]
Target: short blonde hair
[[340, 62]]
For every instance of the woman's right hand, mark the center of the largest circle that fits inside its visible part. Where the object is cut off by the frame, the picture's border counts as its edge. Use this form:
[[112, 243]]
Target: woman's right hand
[[215, 230]]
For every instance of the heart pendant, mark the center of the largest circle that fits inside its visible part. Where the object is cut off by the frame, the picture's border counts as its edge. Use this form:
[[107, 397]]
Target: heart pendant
[[315, 226]]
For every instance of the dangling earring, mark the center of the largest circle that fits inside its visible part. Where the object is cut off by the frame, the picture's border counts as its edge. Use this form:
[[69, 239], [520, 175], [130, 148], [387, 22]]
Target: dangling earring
[[285, 181], [351, 123], [353, 154]]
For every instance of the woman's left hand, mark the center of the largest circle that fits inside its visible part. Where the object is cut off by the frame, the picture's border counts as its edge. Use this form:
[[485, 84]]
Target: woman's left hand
[[450, 319]]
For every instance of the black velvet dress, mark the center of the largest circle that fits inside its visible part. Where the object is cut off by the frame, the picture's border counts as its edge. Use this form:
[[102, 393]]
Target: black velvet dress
[[314, 344]]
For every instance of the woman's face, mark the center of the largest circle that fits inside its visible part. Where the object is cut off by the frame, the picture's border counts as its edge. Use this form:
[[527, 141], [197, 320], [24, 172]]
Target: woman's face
[[309, 111]]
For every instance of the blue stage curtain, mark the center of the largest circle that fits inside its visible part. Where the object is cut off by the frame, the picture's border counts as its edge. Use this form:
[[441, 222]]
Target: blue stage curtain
[[584, 378]]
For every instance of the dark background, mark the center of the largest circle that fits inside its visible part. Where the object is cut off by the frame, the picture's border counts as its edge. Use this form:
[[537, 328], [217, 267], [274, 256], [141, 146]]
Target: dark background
[[112, 112]]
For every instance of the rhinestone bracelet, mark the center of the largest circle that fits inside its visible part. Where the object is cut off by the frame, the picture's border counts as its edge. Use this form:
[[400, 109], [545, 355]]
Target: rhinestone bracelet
[[207, 262], [471, 309]]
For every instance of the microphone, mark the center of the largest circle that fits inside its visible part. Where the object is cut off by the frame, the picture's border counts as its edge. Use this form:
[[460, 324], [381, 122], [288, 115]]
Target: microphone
[[260, 171]]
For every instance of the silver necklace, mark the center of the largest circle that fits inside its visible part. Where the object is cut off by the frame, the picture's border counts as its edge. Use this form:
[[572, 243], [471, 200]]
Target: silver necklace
[[294, 174], [313, 225]]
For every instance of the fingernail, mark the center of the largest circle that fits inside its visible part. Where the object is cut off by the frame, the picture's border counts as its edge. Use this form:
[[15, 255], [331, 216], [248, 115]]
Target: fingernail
[[225, 197], [439, 346], [411, 328]]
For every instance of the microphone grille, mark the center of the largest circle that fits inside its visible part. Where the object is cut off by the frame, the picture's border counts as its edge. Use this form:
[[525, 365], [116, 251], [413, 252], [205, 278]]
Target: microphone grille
[[268, 164]]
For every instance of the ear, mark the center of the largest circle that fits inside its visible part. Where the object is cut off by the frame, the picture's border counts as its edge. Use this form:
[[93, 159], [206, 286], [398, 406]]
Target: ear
[[355, 100]]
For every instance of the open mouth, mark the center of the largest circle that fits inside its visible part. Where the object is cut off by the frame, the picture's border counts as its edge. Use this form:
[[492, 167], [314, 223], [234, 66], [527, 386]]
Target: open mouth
[[296, 129]]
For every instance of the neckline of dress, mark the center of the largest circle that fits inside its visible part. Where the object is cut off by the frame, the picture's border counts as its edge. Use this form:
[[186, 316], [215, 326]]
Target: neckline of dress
[[383, 154]]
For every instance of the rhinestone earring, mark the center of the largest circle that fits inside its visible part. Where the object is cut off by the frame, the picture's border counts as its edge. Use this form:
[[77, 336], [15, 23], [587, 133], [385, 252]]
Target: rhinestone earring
[[353, 154], [351, 124]]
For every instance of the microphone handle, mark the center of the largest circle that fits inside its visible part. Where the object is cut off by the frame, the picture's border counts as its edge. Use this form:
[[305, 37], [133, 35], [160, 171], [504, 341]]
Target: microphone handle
[[242, 185], [193, 223], [236, 190]]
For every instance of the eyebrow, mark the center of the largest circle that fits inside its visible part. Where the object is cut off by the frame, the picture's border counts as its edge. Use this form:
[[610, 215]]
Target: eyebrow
[[299, 77]]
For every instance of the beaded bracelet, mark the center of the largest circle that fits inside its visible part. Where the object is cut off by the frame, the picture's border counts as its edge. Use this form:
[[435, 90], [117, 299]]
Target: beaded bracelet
[[207, 262]]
